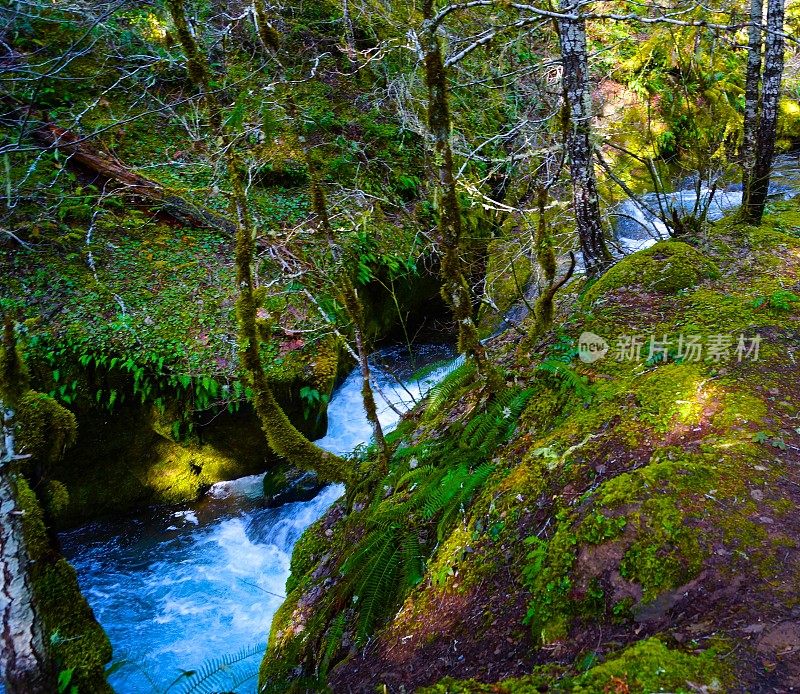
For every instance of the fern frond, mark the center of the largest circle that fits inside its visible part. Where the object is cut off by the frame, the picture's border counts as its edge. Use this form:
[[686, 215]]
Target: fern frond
[[331, 642], [569, 381], [411, 477], [371, 544], [377, 591], [423, 372], [444, 391], [413, 564], [208, 679]]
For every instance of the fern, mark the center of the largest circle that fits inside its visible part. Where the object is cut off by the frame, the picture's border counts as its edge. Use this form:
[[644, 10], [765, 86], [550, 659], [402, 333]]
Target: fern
[[487, 430], [218, 674], [445, 364], [569, 381], [457, 377], [331, 642], [378, 591]]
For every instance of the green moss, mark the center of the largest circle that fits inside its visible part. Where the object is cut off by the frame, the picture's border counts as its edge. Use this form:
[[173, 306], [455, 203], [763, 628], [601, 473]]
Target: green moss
[[56, 498], [14, 378], [672, 395], [75, 638], [45, 429], [665, 267], [122, 463], [651, 666], [668, 552], [645, 667]]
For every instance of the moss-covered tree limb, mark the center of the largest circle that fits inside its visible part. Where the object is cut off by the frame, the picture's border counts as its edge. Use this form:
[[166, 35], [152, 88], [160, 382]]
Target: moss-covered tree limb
[[455, 289], [282, 436], [347, 292]]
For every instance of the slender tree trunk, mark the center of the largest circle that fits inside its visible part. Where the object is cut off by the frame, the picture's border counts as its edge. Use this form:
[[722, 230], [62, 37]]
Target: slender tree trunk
[[24, 663], [352, 305], [283, 437], [455, 289], [349, 34], [751, 97], [543, 242], [577, 95], [756, 196]]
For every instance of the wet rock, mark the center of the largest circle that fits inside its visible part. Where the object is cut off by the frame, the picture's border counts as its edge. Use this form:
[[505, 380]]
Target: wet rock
[[286, 484]]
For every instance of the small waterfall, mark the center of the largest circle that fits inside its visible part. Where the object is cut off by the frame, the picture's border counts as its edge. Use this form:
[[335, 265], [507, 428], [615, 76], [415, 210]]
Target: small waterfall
[[637, 224], [175, 587]]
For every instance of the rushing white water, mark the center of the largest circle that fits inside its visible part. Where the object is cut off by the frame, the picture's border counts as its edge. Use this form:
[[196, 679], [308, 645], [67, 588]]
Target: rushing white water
[[637, 225], [176, 587]]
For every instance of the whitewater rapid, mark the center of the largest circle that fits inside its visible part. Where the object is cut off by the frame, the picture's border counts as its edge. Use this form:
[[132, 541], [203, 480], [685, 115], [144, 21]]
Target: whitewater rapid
[[175, 587]]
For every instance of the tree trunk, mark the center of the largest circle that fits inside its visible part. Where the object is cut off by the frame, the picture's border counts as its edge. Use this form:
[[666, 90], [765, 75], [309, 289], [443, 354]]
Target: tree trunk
[[282, 436], [756, 195], [577, 96], [455, 289], [351, 302], [751, 97], [24, 663]]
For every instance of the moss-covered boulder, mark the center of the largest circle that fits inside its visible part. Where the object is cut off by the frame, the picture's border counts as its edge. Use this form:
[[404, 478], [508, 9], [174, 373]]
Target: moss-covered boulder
[[45, 428], [646, 666], [665, 267], [127, 461]]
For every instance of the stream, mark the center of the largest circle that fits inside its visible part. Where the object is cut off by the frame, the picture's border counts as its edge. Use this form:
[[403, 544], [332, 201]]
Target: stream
[[176, 587], [636, 227]]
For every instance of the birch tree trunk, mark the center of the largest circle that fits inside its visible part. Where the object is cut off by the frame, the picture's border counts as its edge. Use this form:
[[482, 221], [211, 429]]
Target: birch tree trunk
[[24, 663], [751, 97], [455, 289], [580, 150], [756, 195]]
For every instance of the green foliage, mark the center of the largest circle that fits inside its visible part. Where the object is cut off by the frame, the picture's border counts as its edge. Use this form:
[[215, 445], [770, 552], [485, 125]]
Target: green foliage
[[459, 374], [65, 685], [225, 673], [430, 485], [313, 400], [568, 381], [780, 300]]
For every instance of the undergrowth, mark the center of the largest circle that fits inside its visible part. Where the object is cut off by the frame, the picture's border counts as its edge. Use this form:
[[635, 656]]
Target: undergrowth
[[416, 505]]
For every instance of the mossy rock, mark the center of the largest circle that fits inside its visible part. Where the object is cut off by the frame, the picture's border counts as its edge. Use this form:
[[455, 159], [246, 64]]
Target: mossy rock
[[665, 267], [45, 428], [645, 666], [285, 484]]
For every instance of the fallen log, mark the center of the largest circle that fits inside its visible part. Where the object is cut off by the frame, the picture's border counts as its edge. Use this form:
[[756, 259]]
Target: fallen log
[[131, 184]]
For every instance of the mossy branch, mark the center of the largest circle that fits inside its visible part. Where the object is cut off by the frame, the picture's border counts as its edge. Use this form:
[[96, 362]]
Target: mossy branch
[[282, 436]]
